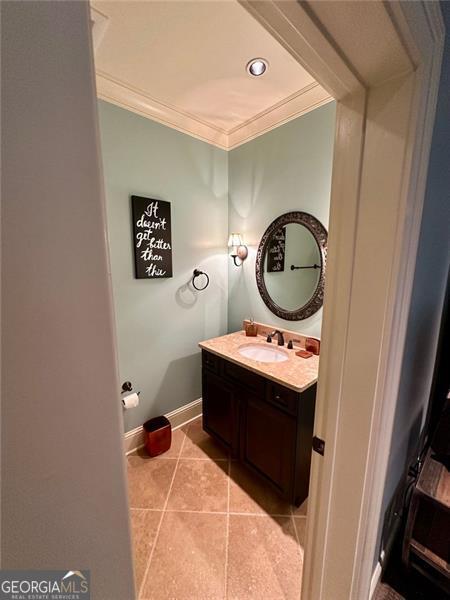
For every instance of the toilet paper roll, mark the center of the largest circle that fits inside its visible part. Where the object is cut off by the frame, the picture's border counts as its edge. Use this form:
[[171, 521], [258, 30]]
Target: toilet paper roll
[[130, 400]]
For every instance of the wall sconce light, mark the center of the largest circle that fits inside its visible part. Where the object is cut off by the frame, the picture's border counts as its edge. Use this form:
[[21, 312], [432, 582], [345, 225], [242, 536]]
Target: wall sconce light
[[238, 248]]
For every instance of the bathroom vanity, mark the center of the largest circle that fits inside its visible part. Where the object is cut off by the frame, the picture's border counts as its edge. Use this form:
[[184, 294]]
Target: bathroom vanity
[[263, 412]]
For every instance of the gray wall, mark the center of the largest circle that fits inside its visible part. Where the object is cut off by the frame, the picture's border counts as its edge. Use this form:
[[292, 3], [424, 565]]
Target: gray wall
[[286, 169], [161, 321], [64, 503], [427, 297]]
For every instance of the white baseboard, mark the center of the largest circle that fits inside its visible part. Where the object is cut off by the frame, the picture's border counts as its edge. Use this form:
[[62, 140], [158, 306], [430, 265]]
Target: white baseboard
[[375, 579], [184, 414], [134, 439]]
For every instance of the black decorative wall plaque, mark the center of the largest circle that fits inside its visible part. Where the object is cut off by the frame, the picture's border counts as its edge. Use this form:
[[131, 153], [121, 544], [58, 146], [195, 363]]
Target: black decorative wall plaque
[[276, 250], [152, 238]]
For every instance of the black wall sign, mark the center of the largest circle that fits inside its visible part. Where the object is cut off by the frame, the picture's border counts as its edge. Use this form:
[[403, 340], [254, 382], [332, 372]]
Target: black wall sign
[[276, 251], [152, 239]]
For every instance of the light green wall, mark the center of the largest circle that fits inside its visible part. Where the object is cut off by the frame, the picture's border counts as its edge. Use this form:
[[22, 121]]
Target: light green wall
[[288, 168], [160, 322]]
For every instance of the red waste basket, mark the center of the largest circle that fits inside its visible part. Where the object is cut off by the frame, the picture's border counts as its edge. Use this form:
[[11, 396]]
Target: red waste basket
[[158, 435]]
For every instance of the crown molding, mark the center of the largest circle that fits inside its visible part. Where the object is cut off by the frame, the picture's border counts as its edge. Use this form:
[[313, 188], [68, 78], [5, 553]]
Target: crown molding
[[99, 25], [125, 96], [122, 94], [300, 103]]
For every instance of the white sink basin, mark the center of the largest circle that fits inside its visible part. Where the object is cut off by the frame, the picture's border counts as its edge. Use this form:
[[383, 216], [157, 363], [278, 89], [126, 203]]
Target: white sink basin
[[263, 353]]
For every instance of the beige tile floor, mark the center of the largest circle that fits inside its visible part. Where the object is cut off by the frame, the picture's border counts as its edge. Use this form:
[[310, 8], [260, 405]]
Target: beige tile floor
[[204, 528]]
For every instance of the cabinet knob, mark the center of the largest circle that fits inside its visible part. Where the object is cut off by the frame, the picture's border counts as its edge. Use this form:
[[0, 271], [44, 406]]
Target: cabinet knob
[[280, 399]]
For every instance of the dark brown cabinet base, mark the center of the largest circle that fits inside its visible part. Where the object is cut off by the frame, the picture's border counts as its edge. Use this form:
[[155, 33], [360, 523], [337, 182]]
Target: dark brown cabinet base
[[267, 426]]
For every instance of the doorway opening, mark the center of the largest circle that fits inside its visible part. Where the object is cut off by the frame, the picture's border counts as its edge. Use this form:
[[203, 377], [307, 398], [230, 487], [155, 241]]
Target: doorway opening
[[385, 110], [381, 106], [232, 150]]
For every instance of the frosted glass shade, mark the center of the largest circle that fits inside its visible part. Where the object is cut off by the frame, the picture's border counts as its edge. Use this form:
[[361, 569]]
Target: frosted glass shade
[[235, 240]]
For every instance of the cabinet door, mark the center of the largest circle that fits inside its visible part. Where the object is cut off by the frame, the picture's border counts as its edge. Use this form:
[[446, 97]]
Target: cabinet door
[[268, 442], [220, 410]]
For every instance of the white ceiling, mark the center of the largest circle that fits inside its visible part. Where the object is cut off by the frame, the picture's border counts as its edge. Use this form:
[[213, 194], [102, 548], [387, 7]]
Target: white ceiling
[[183, 64]]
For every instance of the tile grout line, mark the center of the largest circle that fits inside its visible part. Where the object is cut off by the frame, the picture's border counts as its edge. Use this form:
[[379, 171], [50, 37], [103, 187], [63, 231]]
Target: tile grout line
[[163, 511], [221, 512], [227, 529], [190, 458], [302, 555]]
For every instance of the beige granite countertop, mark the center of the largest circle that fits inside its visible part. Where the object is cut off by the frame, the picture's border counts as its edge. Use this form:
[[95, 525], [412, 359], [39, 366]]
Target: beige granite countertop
[[295, 373]]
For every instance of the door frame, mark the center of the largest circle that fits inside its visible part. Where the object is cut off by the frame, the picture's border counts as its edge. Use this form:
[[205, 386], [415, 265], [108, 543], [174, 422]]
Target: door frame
[[386, 97]]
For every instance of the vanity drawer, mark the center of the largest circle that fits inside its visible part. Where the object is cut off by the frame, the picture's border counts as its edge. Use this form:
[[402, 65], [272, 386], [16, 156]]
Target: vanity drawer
[[243, 376], [210, 361], [282, 397]]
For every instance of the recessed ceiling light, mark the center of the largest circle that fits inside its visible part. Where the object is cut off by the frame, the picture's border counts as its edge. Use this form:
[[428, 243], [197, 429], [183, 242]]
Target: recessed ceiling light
[[257, 67]]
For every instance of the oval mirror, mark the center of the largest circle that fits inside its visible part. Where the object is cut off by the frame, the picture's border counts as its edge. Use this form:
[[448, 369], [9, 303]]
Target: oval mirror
[[290, 265]]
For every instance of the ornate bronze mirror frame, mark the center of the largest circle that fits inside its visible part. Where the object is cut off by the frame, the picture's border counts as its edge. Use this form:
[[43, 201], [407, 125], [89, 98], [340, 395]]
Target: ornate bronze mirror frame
[[321, 237]]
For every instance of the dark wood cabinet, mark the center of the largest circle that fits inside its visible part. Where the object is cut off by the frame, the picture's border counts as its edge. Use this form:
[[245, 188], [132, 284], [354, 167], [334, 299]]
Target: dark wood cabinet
[[268, 443], [266, 425], [220, 413], [426, 542]]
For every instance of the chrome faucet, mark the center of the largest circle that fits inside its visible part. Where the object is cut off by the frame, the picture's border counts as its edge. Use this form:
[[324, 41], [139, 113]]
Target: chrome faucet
[[280, 335]]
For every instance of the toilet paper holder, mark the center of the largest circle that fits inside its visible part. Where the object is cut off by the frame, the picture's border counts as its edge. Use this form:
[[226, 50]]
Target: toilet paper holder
[[130, 399], [127, 386]]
